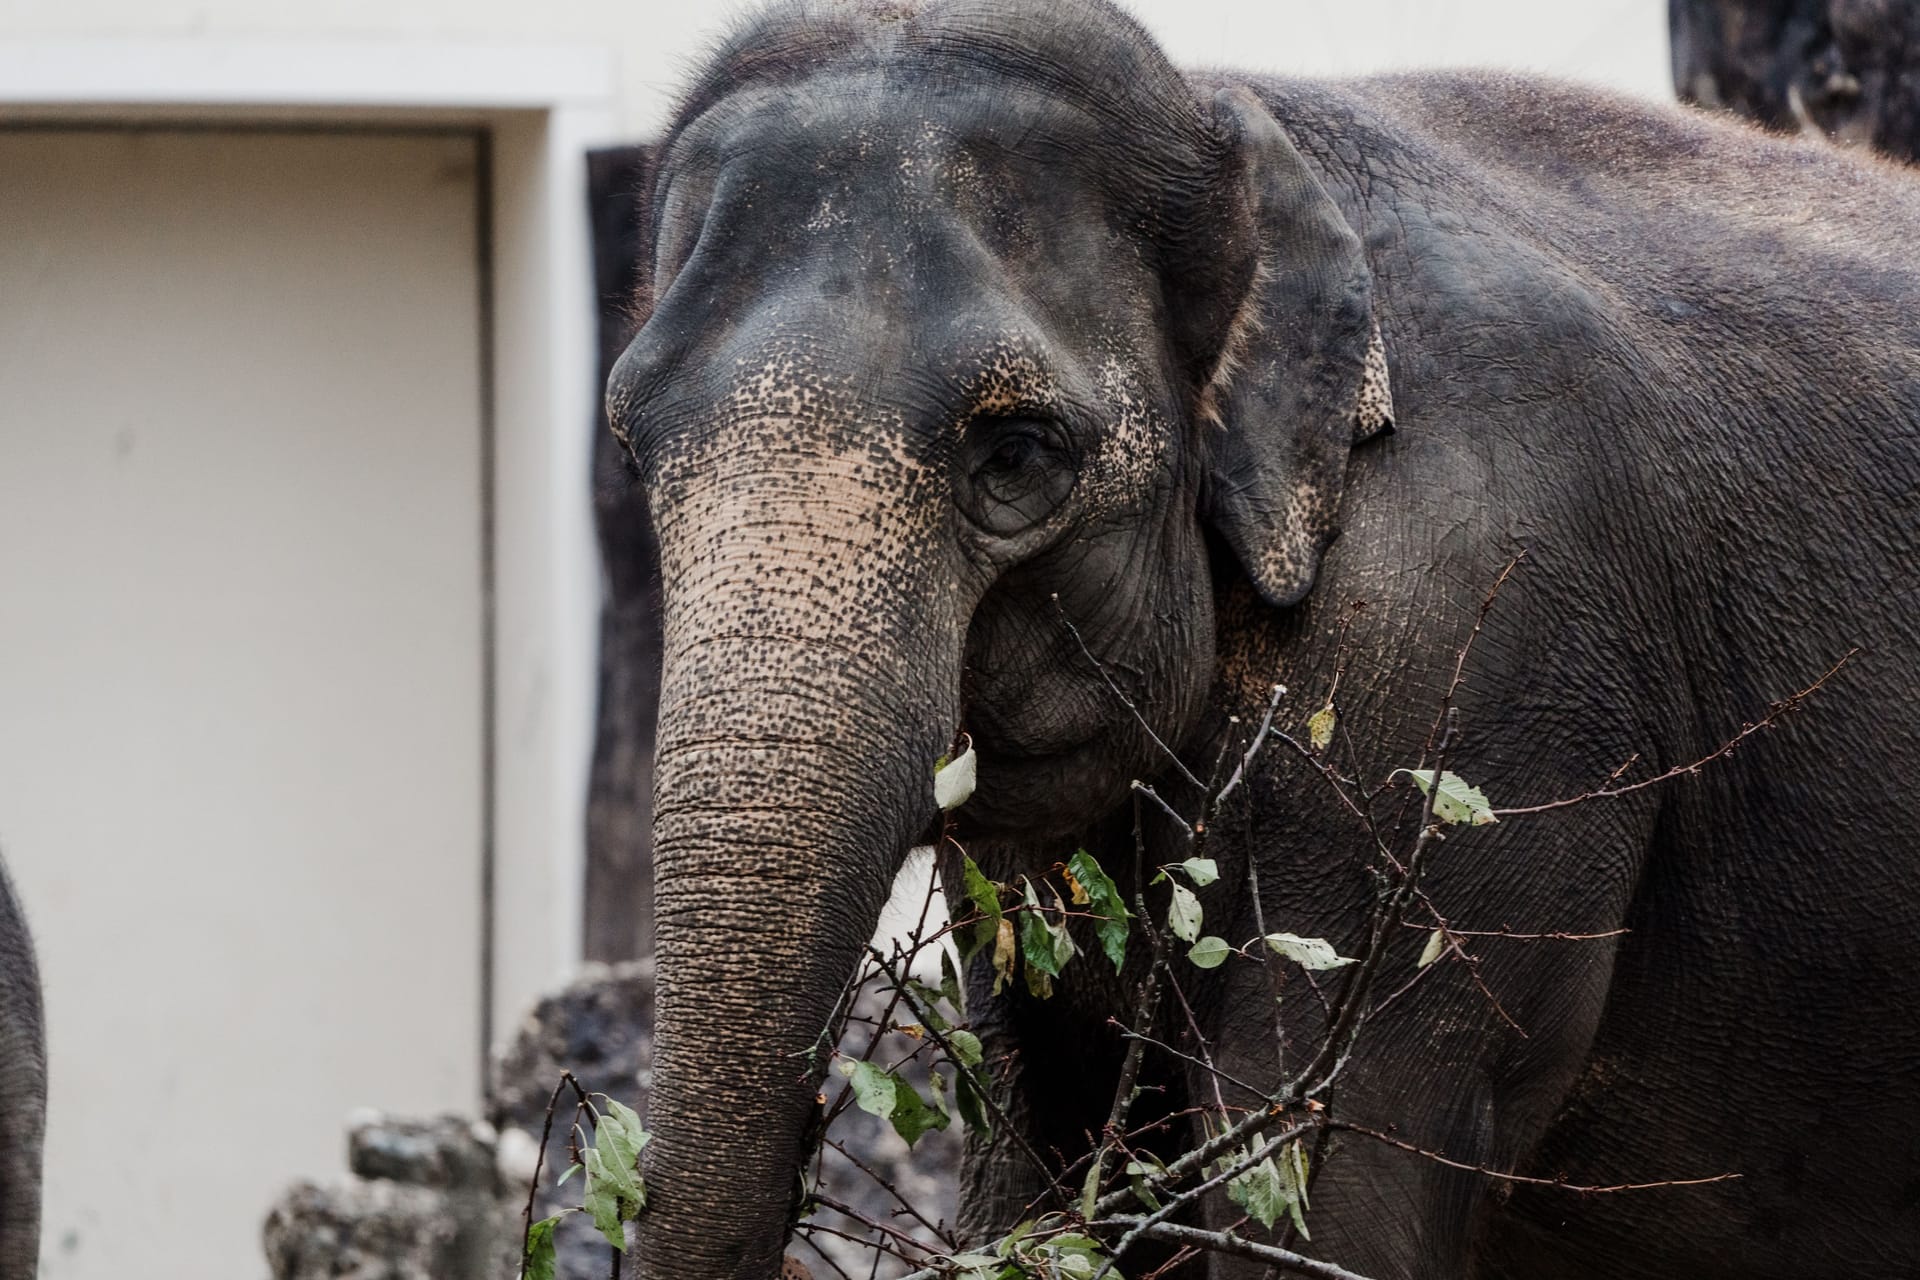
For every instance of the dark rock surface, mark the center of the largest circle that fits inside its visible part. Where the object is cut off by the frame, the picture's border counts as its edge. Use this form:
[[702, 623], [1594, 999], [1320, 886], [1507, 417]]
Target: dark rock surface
[[444, 1198]]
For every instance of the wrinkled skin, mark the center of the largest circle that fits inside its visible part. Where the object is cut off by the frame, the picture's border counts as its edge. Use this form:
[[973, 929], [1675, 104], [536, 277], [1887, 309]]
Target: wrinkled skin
[[23, 1091], [973, 319]]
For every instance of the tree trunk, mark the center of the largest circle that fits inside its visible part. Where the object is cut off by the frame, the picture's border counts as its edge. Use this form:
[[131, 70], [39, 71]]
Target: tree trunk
[[1846, 69], [618, 906]]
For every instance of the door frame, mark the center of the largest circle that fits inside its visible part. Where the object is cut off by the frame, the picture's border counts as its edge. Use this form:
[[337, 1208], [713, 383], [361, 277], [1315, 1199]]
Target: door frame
[[538, 109]]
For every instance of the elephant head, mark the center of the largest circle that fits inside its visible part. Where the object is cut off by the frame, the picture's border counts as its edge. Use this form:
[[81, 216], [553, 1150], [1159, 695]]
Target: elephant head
[[968, 320]]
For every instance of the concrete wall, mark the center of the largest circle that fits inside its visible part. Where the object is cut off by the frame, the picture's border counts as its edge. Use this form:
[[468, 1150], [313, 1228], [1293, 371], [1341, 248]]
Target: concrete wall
[[241, 641], [1617, 42]]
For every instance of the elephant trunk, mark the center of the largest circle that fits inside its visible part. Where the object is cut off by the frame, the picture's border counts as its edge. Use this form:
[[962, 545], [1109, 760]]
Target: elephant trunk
[[801, 714]]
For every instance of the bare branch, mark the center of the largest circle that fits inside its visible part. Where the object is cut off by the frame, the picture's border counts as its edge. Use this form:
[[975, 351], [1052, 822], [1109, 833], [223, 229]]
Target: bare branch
[[1435, 1156], [1227, 1242], [891, 1190], [1125, 701], [980, 1088], [1253, 749], [1785, 707]]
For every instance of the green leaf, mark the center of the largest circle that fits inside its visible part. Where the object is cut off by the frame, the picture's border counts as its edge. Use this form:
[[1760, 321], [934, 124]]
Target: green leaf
[[950, 985], [1320, 728], [972, 1108], [985, 897], [624, 1135], [882, 1093], [1012, 1240], [981, 892], [1202, 871], [928, 1001], [1103, 897], [1184, 914], [1037, 943], [1090, 1191], [571, 1170], [966, 1047], [601, 1199], [1294, 1170], [1210, 952], [911, 1116], [539, 1248], [1455, 802], [614, 1192], [953, 782], [1261, 1192], [1308, 953], [872, 1087], [1293, 1174], [1436, 945]]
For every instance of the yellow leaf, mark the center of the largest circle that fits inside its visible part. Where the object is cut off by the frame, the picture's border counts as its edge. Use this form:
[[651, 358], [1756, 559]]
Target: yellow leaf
[[1004, 951], [1320, 728]]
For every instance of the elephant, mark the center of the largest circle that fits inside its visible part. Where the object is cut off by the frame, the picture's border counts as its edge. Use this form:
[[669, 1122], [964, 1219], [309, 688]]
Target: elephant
[[999, 378], [23, 1090]]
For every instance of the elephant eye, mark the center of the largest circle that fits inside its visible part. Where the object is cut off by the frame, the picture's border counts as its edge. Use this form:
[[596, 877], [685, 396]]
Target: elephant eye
[[1020, 472], [1011, 454]]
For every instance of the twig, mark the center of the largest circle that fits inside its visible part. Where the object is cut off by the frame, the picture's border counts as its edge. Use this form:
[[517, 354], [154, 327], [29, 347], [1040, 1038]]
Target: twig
[[1392, 1141], [1446, 708], [1140, 1038], [1141, 788], [539, 1160], [891, 1190], [854, 1215], [1786, 706], [869, 1243], [825, 1256], [1253, 748], [1125, 701], [1510, 936], [1127, 1089], [980, 1089], [1271, 964], [1142, 1226], [1227, 1242]]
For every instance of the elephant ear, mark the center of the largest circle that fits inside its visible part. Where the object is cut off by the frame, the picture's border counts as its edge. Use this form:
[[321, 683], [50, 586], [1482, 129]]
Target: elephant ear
[[1302, 375]]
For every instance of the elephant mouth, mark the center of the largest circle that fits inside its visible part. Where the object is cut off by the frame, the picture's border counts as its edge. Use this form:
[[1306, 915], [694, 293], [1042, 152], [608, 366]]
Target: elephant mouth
[[1033, 790]]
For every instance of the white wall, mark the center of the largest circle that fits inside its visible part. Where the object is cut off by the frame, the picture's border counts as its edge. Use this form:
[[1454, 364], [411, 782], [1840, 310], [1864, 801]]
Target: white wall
[[240, 661], [653, 42]]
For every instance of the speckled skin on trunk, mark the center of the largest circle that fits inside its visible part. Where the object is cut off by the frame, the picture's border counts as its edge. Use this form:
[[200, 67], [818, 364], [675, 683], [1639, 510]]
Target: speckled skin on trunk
[[971, 317]]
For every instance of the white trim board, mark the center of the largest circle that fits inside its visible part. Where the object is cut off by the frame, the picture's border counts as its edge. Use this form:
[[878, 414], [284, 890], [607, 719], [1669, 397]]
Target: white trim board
[[283, 73], [542, 108]]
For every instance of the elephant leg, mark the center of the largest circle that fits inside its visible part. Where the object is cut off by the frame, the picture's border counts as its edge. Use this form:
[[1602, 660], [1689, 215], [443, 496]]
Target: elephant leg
[[1055, 1076], [1002, 1176]]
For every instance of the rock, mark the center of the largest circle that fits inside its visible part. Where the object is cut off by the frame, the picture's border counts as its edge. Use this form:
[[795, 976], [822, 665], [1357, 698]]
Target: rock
[[444, 1198], [451, 1152], [599, 1027], [366, 1231]]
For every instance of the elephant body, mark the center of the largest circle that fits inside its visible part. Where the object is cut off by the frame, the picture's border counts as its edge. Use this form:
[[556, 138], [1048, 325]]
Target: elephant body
[[23, 1091], [973, 319]]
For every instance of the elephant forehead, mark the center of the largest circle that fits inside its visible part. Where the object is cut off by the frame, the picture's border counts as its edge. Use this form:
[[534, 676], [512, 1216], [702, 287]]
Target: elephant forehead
[[890, 168]]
